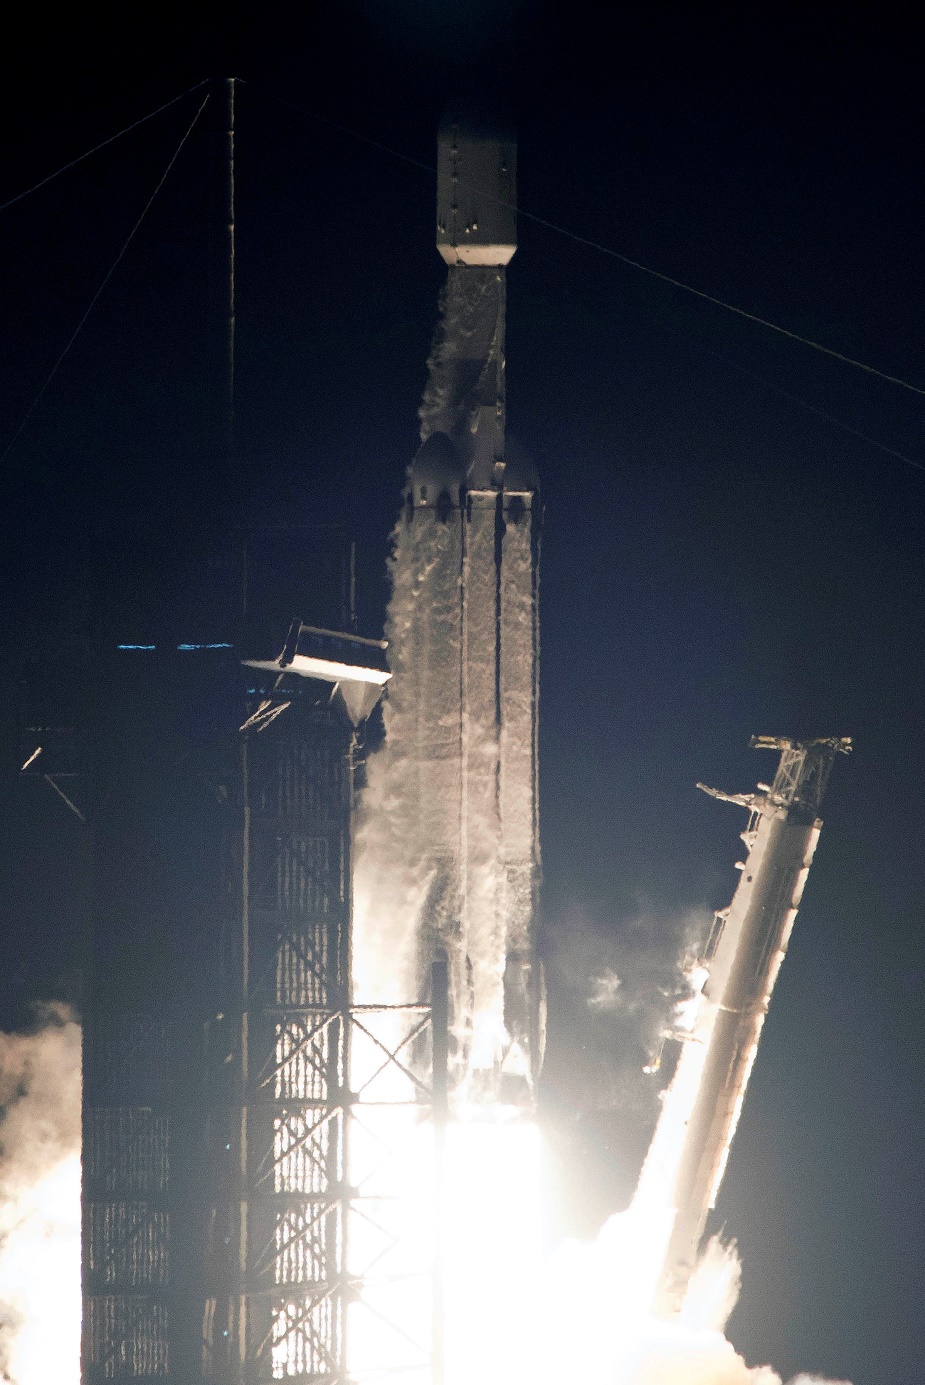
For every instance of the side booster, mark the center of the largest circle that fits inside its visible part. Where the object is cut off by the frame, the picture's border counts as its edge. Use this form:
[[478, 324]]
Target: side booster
[[742, 960], [469, 542]]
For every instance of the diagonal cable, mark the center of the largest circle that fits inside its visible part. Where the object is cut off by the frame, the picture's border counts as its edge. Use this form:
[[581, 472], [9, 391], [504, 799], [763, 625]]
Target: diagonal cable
[[728, 307], [613, 254], [109, 273], [811, 408], [102, 145]]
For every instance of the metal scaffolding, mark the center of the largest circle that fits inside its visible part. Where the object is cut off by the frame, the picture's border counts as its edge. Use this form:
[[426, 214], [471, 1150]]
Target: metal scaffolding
[[738, 971], [126, 1133], [155, 808], [227, 1234], [281, 1276]]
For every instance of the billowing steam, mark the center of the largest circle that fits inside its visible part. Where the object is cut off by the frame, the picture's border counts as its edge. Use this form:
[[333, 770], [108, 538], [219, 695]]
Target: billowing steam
[[606, 1285], [512, 1310], [40, 1201]]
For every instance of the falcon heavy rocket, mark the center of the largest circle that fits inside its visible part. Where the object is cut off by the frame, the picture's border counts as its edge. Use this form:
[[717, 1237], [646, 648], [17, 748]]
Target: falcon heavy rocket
[[464, 651]]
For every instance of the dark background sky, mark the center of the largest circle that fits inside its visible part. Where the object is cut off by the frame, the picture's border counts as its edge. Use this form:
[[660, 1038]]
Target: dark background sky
[[718, 560]]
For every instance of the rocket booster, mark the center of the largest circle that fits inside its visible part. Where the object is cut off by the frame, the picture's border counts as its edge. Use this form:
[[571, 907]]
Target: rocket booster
[[743, 958]]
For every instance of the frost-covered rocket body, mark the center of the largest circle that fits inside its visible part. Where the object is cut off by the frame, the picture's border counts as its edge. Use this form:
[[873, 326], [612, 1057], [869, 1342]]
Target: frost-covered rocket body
[[457, 778]]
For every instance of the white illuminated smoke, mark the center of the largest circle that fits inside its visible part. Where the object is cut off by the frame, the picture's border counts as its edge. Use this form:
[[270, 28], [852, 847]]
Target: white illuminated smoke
[[513, 1311], [40, 1202], [445, 852]]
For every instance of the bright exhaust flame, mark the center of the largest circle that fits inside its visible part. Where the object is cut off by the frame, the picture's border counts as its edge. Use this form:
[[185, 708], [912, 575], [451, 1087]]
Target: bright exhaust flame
[[512, 1309], [424, 856], [515, 1312], [40, 1203], [491, 1229]]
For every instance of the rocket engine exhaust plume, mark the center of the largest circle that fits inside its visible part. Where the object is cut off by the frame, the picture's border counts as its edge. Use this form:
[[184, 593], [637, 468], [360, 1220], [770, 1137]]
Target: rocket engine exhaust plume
[[40, 1201]]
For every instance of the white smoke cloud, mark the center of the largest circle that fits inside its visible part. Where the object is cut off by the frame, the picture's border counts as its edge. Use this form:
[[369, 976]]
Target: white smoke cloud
[[603, 991], [40, 1201], [635, 967], [816, 1380], [714, 1288], [603, 1289]]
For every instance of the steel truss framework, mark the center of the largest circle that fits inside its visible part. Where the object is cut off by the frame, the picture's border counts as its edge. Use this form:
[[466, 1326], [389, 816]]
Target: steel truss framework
[[126, 1132], [228, 1231], [294, 1245]]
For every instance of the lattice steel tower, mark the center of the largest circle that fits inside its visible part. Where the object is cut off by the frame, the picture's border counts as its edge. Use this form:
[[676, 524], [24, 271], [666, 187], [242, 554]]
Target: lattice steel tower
[[280, 1109], [277, 1058]]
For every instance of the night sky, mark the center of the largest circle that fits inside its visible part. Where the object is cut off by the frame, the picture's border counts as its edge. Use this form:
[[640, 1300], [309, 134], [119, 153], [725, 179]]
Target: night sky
[[718, 558]]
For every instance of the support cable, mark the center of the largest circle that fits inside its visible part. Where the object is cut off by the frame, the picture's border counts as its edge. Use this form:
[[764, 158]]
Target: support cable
[[728, 307], [230, 361], [811, 408], [612, 253], [97, 147], [694, 344], [109, 273]]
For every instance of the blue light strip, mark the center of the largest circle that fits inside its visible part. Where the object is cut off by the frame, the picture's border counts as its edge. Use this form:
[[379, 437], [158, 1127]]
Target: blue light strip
[[185, 648]]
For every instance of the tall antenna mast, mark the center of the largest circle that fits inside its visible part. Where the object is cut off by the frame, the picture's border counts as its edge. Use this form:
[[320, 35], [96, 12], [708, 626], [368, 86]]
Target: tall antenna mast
[[230, 431], [229, 148]]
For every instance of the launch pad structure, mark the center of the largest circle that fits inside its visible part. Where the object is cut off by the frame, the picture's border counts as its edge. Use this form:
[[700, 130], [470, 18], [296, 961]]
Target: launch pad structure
[[280, 1060], [218, 1105]]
